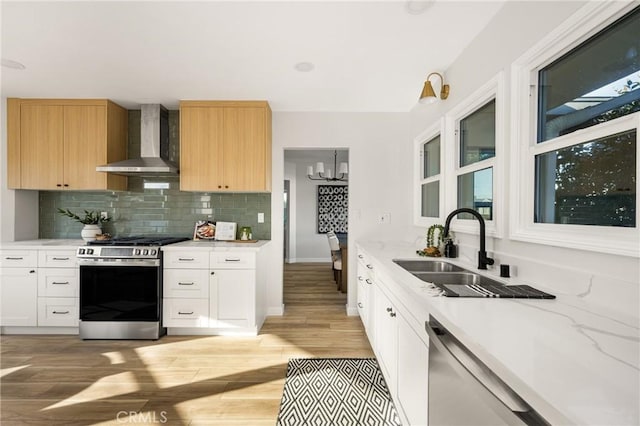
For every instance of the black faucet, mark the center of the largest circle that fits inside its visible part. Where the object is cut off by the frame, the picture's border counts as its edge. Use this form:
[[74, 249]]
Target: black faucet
[[483, 260]]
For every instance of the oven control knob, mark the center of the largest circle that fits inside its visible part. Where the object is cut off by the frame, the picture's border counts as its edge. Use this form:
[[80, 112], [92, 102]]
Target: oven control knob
[[81, 251], [153, 252], [145, 252], [89, 251], [136, 252]]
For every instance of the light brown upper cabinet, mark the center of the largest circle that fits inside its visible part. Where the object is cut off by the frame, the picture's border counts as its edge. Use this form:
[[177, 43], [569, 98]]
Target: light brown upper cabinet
[[225, 146], [56, 144]]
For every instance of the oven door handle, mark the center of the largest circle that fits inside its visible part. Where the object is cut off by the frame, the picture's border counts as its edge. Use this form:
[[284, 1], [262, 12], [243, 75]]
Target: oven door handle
[[120, 262]]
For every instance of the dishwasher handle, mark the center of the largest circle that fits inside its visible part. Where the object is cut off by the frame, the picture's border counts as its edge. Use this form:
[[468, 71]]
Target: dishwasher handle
[[463, 361]]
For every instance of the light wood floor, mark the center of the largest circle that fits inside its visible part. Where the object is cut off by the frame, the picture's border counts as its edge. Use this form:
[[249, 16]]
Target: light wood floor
[[213, 380]]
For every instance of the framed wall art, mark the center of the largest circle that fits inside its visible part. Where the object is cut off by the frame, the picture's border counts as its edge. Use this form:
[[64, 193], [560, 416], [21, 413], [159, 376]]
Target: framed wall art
[[333, 208]]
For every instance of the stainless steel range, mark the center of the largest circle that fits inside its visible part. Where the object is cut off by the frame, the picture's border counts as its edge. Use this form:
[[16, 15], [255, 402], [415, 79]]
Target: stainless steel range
[[121, 288]]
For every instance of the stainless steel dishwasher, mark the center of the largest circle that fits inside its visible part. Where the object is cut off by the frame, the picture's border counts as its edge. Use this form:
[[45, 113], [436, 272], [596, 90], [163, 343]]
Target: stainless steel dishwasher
[[463, 391]]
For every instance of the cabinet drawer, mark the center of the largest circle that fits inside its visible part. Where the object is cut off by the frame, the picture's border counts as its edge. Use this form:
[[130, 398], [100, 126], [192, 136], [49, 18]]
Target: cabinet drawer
[[57, 259], [186, 283], [233, 260], [58, 282], [186, 259], [18, 258], [185, 313], [58, 312]]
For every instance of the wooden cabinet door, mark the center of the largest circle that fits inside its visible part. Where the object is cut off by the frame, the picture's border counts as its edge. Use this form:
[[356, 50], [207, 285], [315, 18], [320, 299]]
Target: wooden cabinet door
[[201, 148], [41, 147], [245, 149], [85, 139]]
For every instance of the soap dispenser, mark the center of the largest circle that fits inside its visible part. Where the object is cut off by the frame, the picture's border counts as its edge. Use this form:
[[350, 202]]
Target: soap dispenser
[[450, 249]]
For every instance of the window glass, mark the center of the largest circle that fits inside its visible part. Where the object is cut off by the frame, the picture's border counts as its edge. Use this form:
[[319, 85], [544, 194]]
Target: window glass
[[593, 183], [431, 157], [431, 199], [475, 191], [478, 135], [596, 82]]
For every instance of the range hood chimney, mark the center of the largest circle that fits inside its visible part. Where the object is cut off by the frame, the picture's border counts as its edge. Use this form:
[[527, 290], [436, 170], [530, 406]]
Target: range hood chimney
[[154, 147]]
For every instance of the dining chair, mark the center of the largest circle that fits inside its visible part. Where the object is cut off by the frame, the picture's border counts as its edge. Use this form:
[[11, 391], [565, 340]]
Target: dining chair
[[336, 258]]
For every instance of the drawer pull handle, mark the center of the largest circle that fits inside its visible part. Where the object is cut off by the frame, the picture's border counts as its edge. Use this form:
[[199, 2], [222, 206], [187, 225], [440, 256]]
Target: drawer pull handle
[[186, 259], [186, 283], [213, 273], [14, 258], [392, 314], [368, 281], [389, 309], [185, 313], [360, 278], [61, 312], [232, 260], [60, 258], [60, 283], [370, 266], [360, 256], [360, 305]]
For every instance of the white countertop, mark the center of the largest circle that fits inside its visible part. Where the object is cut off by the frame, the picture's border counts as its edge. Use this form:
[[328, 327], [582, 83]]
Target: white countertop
[[205, 245], [42, 244], [572, 362]]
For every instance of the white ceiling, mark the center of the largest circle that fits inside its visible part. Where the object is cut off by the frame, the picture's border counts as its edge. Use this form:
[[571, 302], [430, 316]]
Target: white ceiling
[[367, 55]]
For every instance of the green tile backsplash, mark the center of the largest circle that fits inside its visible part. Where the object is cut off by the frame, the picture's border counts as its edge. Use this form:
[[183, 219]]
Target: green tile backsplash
[[148, 211]]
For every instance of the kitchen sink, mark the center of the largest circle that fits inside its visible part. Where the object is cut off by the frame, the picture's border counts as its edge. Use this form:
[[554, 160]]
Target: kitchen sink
[[414, 266], [456, 278]]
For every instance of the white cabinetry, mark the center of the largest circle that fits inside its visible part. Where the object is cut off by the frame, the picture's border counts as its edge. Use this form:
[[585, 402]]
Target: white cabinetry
[[18, 287], [186, 289], [58, 288], [413, 373], [210, 292], [386, 332], [365, 295]]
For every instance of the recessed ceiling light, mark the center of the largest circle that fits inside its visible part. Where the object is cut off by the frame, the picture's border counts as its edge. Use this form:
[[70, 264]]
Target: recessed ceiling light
[[8, 63], [304, 66]]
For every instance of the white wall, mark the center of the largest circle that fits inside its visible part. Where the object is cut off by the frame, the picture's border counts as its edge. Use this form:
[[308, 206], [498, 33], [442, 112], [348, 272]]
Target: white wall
[[379, 178], [515, 29]]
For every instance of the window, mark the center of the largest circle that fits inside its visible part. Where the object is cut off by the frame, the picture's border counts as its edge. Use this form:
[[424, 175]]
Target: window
[[577, 115], [428, 200], [431, 178], [477, 136]]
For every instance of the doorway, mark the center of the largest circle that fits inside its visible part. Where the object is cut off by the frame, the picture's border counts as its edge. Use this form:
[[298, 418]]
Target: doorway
[[306, 220]]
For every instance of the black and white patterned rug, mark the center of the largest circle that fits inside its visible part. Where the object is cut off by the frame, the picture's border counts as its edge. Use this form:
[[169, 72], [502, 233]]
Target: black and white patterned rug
[[336, 391]]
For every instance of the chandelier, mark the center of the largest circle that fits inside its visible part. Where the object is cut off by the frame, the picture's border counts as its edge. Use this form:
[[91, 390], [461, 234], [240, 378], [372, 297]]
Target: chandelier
[[321, 174]]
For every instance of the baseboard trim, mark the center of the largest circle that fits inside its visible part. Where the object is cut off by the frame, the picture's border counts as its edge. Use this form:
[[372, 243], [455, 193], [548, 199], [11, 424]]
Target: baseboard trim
[[275, 311], [352, 311]]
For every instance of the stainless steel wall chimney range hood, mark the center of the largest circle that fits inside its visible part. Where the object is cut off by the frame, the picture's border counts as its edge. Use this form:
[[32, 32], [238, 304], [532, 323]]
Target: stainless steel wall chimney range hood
[[154, 147]]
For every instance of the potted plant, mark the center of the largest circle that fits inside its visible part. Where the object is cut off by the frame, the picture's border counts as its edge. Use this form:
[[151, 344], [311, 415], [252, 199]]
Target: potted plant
[[435, 238], [91, 220]]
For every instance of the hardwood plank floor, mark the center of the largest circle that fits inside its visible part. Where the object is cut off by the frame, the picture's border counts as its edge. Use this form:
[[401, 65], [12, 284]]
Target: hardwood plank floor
[[178, 380]]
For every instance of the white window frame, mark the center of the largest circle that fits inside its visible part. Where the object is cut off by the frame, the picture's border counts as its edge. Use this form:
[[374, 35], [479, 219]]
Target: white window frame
[[588, 21], [492, 90], [418, 173]]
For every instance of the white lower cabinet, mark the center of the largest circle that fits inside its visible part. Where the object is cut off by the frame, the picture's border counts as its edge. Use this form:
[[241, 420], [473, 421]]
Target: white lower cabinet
[[57, 312], [386, 336], [232, 298], [18, 296], [402, 353], [210, 290], [185, 312], [413, 374]]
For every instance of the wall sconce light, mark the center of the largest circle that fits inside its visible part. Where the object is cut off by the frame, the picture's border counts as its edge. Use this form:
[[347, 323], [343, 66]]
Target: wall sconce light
[[428, 96]]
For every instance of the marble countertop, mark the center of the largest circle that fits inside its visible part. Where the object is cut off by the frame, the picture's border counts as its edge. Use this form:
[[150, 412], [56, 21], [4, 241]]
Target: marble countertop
[[574, 363], [42, 244], [205, 245]]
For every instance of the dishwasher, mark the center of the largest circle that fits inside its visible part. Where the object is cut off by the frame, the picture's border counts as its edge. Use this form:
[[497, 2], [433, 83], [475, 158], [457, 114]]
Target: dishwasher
[[463, 391]]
